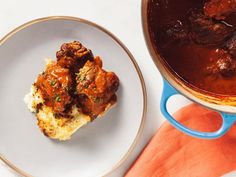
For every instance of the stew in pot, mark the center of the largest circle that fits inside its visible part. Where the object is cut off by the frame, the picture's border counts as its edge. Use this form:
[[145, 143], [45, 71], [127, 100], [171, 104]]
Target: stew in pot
[[197, 40]]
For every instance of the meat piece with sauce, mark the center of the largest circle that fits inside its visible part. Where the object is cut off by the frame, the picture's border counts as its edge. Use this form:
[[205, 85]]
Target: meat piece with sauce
[[222, 63], [54, 85], [208, 31], [95, 88], [230, 45], [219, 8], [73, 55], [178, 31], [71, 92]]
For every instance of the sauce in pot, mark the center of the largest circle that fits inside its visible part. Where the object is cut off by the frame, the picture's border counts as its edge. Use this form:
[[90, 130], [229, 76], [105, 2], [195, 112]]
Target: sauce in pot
[[200, 48]]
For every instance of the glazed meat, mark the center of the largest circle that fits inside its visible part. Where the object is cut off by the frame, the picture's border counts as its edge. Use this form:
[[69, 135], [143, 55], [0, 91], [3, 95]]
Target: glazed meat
[[200, 29], [71, 92], [223, 63], [73, 55], [219, 8], [208, 31], [54, 85], [230, 45], [178, 31], [223, 59], [95, 88], [77, 78]]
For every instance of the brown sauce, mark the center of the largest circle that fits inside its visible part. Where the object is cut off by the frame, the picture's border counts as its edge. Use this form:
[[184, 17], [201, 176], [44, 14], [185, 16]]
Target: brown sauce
[[192, 61]]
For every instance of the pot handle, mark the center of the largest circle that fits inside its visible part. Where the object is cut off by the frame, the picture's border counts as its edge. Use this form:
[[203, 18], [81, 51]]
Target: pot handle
[[228, 119]]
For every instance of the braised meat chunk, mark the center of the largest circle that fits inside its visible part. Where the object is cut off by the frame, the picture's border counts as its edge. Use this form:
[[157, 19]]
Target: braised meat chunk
[[71, 92], [208, 31], [73, 55], [219, 8], [54, 85], [77, 78], [230, 45], [222, 63], [178, 31], [200, 29], [95, 88]]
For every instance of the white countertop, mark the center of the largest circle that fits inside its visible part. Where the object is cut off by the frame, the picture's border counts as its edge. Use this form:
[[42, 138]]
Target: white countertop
[[122, 18]]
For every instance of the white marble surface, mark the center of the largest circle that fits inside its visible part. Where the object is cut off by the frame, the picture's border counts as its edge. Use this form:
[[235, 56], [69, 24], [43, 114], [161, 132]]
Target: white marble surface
[[123, 18]]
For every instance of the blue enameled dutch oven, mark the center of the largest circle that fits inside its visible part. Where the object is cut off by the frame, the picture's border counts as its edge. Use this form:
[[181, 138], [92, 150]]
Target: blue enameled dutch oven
[[226, 106]]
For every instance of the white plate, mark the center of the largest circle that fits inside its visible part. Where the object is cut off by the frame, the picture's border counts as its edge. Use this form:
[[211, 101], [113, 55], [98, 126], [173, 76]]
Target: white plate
[[94, 150]]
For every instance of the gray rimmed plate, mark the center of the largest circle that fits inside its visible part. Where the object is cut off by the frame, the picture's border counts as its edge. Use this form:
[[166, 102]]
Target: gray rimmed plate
[[97, 148]]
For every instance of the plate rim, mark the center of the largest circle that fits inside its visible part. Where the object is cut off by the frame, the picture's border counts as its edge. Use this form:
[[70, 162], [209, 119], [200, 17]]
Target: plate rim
[[131, 57]]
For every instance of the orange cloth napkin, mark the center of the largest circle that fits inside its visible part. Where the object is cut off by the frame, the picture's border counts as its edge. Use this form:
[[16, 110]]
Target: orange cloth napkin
[[171, 153]]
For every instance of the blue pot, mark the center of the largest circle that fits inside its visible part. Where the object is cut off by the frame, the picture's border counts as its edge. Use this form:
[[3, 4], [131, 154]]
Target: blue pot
[[228, 119], [225, 105]]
